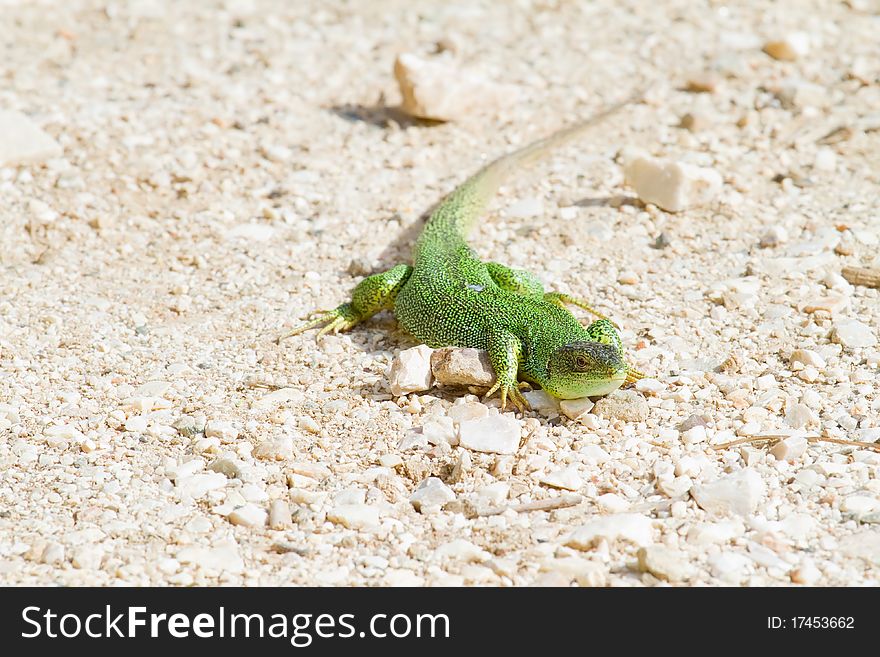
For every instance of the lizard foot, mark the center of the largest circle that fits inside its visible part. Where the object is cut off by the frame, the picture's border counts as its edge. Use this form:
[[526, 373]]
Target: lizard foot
[[512, 390], [339, 319]]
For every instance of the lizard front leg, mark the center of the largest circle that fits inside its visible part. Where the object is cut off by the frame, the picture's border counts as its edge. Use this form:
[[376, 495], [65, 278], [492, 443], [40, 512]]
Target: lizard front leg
[[602, 330], [505, 351], [371, 295]]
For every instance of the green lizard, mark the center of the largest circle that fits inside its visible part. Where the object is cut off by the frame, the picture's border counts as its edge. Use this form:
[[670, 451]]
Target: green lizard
[[449, 297]]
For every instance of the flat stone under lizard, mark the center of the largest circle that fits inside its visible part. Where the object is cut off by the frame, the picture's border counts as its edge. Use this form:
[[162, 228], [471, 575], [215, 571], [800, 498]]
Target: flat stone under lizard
[[449, 297]]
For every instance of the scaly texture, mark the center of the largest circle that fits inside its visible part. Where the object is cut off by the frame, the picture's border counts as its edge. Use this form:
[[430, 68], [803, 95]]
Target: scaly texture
[[449, 297]]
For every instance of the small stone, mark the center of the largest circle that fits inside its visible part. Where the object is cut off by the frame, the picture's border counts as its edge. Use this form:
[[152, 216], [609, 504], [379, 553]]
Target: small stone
[[729, 566], [790, 449], [650, 386], [807, 357], [693, 421], [632, 527], [227, 467], [705, 82], [774, 236], [694, 435], [411, 371], [806, 574], [354, 516], [227, 432], [198, 485], [860, 505], [737, 493], [790, 47], [88, 557], [709, 533], [566, 479], [249, 515], [468, 410], [799, 416], [189, 425], [431, 494], [583, 571], [316, 471], [224, 557], [52, 553], [695, 121], [664, 563], [494, 434], [672, 186], [826, 160], [612, 503], [625, 405], [461, 550], [628, 278], [136, 424], [390, 460], [462, 366], [853, 334], [576, 409], [543, 403], [862, 545], [22, 141], [275, 449], [279, 515], [440, 430], [438, 89]]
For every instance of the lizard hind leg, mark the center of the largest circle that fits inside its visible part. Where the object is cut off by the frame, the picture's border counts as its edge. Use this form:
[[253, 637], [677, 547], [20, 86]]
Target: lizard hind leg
[[562, 300], [372, 295]]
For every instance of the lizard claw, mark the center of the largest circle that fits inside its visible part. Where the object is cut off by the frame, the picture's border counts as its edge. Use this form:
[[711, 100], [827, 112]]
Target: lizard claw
[[516, 397], [336, 320], [633, 375]]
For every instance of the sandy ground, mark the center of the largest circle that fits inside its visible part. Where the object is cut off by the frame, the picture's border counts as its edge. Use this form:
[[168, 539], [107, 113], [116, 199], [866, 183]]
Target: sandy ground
[[229, 166]]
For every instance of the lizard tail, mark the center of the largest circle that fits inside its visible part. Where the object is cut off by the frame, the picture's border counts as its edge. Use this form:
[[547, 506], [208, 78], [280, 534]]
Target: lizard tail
[[457, 214]]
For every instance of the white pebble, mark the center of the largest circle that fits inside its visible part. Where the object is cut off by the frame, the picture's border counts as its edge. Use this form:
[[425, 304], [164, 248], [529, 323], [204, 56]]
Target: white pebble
[[790, 449], [431, 494], [494, 434], [566, 479], [737, 493], [411, 371], [632, 527], [22, 141], [672, 186], [853, 334], [249, 515], [354, 516]]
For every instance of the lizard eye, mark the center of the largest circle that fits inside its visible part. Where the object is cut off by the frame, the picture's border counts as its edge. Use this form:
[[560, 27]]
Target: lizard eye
[[581, 362]]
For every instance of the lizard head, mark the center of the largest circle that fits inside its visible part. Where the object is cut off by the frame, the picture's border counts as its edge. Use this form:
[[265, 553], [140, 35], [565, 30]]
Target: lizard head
[[585, 369]]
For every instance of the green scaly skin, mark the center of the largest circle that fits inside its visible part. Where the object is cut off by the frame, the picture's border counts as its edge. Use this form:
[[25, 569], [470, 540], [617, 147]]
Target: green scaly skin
[[449, 297]]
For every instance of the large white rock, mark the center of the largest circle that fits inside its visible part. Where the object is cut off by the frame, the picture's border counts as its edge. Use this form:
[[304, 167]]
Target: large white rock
[[737, 493], [411, 371], [632, 527], [23, 141], [494, 434], [673, 186], [853, 334], [354, 516], [223, 557], [438, 89], [249, 515], [432, 493]]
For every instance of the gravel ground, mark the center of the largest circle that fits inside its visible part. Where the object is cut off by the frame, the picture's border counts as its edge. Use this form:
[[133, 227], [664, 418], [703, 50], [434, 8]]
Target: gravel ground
[[225, 167]]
